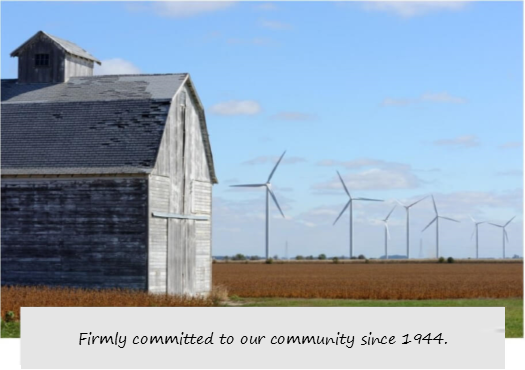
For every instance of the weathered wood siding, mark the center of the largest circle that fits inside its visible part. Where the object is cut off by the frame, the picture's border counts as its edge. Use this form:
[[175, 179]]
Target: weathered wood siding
[[77, 67], [75, 232], [182, 160], [28, 73], [159, 191]]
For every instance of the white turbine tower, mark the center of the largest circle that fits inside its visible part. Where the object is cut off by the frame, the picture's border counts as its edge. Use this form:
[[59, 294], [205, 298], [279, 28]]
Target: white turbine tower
[[407, 208], [269, 193], [476, 224], [436, 220], [349, 204], [504, 233], [387, 232]]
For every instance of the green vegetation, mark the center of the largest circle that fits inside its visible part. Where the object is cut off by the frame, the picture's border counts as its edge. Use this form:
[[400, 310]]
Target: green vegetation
[[10, 329], [239, 257], [513, 306]]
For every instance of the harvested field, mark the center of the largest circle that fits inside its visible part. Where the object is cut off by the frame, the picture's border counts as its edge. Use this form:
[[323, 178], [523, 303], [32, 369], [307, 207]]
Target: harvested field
[[372, 281], [15, 297]]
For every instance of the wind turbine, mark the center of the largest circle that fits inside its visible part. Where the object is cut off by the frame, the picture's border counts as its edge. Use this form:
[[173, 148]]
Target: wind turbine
[[476, 232], [407, 208], [387, 232], [269, 193], [349, 204], [436, 220], [504, 233]]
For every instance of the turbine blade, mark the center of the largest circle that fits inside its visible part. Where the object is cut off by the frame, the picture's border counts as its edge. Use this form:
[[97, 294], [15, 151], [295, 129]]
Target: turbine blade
[[448, 218], [413, 204], [343, 211], [431, 222], [472, 234], [387, 231], [401, 204], [275, 200], [386, 219], [506, 235], [509, 221], [369, 199], [494, 224], [342, 182], [277, 164], [472, 218], [248, 186], [434, 203]]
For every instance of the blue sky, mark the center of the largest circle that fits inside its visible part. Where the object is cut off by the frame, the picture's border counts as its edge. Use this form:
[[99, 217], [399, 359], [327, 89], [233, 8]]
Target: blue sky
[[404, 99]]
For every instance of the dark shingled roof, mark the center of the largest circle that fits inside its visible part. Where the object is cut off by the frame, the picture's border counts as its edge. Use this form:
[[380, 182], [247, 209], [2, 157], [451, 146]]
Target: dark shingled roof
[[89, 125], [95, 88]]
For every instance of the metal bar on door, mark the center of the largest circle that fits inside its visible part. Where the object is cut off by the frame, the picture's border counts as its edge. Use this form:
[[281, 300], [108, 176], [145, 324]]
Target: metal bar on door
[[184, 217]]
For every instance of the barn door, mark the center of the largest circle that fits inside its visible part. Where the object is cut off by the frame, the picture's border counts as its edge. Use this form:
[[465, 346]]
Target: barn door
[[181, 251]]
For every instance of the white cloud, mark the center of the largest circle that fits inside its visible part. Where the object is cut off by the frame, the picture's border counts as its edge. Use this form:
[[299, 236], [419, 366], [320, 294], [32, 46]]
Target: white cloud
[[275, 25], [236, 108], [116, 66], [373, 179], [186, 9], [410, 9], [441, 97], [518, 173], [395, 102], [466, 141], [375, 174], [511, 144], [293, 116], [266, 6]]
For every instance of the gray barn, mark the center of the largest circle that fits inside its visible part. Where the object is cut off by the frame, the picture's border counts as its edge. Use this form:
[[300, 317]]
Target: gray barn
[[106, 180]]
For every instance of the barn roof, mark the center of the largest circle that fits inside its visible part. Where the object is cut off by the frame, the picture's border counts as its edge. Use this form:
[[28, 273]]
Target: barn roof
[[89, 125], [68, 46]]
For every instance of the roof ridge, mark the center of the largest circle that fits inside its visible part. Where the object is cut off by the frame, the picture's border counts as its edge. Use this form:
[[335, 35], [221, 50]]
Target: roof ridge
[[135, 74]]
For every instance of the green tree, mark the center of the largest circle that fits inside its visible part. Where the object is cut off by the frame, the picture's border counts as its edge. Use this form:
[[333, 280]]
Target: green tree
[[239, 257]]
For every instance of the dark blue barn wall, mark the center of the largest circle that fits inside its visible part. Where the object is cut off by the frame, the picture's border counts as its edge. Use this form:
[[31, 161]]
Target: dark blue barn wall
[[75, 232]]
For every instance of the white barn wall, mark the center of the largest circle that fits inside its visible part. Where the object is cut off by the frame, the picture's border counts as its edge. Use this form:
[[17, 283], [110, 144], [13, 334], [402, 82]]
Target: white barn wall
[[184, 246]]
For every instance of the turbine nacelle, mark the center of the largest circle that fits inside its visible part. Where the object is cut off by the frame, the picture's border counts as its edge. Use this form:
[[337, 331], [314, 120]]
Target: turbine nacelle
[[350, 201], [412, 204], [503, 227]]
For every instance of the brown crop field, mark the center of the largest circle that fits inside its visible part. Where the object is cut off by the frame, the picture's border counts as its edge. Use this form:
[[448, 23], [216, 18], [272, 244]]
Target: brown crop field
[[372, 281], [15, 297]]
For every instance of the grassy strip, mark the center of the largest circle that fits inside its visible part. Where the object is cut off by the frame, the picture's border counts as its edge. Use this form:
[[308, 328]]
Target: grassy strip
[[513, 306], [10, 329]]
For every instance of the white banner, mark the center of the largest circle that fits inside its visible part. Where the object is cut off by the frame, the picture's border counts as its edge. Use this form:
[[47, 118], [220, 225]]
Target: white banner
[[255, 338]]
